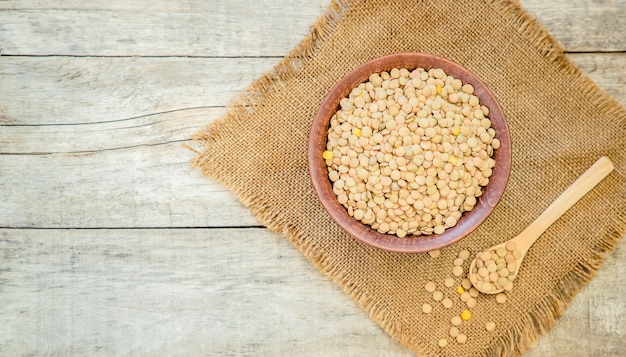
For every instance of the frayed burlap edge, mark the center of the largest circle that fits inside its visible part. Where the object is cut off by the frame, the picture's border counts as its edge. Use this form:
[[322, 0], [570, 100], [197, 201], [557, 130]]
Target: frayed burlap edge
[[524, 332]]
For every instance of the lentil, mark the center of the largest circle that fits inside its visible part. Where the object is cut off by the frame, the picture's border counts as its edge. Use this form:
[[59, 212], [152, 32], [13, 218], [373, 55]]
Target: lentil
[[456, 320], [433, 253], [461, 338], [490, 326], [427, 308], [466, 284], [378, 150], [471, 303], [430, 286], [501, 298], [495, 269], [466, 315]]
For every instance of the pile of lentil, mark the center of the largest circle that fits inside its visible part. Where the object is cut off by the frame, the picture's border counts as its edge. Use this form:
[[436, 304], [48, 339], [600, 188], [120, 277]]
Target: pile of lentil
[[495, 269], [455, 298], [409, 152]]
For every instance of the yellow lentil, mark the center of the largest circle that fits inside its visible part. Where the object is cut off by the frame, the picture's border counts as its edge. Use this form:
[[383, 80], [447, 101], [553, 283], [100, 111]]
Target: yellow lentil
[[466, 315]]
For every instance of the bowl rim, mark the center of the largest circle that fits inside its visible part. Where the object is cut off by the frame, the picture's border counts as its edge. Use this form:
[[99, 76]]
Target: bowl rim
[[491, 195]]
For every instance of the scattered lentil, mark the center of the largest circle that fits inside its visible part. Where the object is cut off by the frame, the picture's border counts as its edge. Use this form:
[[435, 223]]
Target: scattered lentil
[[490, 326], [427, 308], [461, 338], [471, 303], [456, 320], [466, 315], [449, 282], [443, 343], [454, 331], [466, 284], [433, 253], [465, 296], [473, 292], [430, 286], [501, 298], [447, 303], [378, 152]]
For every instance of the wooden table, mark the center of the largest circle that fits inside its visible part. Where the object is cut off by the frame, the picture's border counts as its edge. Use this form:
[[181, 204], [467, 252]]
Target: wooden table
[[111, 244]]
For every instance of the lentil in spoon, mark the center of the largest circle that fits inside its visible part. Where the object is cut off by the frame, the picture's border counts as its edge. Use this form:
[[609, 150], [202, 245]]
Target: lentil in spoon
[[493, 270]]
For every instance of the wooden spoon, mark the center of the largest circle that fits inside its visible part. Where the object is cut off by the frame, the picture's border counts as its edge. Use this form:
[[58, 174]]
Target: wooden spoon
[[598, 171]]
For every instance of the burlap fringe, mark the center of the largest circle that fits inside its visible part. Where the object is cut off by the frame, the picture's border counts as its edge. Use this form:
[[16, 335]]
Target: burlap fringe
[[524, 332], [253, 95], [532, 29]]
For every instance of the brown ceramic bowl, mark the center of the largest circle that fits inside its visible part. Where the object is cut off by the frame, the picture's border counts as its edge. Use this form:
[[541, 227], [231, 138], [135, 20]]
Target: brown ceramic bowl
[[412, 243]]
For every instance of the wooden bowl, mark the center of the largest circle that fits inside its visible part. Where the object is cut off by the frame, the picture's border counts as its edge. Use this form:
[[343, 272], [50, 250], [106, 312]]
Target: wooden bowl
[[411, 243]]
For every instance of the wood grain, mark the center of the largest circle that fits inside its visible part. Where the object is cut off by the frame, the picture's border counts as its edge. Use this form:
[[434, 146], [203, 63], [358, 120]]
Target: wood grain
[[96, 98], [110, 158], [173, 293], [82, 90], [242, 28], [191, 292], [141, 186], [71, 90], [218, 28], [583, 25]]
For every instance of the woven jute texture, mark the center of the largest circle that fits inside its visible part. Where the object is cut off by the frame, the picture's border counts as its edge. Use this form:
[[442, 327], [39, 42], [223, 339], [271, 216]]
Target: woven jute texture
[[560, 123]]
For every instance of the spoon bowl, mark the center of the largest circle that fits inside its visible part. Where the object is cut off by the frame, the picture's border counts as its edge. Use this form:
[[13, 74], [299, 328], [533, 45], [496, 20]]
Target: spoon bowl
[[523, 241]]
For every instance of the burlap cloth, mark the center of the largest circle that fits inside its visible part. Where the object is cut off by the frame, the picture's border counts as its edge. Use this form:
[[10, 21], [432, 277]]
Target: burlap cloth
[[560, 123]]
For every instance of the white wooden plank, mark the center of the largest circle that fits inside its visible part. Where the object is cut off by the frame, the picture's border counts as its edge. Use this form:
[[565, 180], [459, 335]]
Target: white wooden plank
[[242, 28], [142, 186], [189, 292], [173, 293], [606, 69], [583, 25], [70, 90], [62, 90], [81, 138], [134, 172], [156, 28]]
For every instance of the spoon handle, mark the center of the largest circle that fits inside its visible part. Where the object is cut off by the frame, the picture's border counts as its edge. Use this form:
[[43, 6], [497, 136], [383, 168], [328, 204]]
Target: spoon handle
[[598, 171]]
